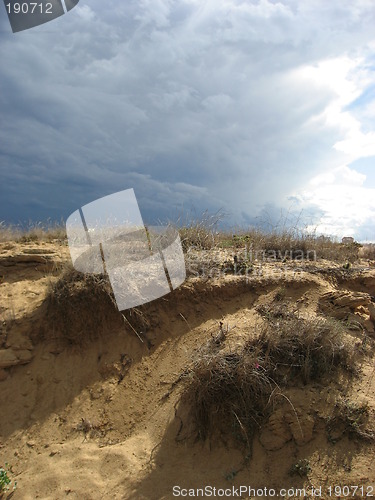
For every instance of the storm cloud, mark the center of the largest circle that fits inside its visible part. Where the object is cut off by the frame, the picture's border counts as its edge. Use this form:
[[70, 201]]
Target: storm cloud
[[227, 104]]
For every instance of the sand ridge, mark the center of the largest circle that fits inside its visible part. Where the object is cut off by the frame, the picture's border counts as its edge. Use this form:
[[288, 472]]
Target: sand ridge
[[101, 420]]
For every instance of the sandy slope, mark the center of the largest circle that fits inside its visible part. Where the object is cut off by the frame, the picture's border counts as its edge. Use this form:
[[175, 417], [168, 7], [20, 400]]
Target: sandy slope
[[101, 421]]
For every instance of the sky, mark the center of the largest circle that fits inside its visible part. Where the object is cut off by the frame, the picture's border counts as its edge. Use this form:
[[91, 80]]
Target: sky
[[262, 109]]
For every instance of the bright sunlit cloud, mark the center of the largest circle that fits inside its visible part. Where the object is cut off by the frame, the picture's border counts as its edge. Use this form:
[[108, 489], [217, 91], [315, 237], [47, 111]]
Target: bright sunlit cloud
[[348, 206]]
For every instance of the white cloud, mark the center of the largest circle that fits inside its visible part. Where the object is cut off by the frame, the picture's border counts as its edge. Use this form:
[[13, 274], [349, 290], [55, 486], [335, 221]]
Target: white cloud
[[85, 12], [347, 79], [348, 206], [342, 175], [357, 144]]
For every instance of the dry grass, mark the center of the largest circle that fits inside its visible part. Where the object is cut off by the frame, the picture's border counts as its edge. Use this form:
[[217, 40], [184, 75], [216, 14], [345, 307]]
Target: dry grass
[[349, 418], [278, 243], [367, 251], [204, 233], [80, 307], [289, 245], [7, 233], [226, 392], [40, 231], [293, 348], [232, 393]]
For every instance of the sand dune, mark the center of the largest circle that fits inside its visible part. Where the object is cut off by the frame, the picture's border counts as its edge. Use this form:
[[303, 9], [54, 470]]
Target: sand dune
[[90, 402]]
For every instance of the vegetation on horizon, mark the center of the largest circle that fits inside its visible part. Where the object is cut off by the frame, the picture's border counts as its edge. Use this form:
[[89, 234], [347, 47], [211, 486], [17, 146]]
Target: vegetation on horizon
[[38, 231], [205, 233]]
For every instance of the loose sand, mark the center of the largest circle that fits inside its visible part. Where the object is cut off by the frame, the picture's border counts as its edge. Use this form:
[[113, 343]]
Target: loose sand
[[100, 420]]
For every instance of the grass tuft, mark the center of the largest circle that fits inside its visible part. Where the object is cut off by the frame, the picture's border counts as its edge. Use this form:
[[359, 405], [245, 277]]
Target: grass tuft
[[349, 418], [80, 307], [234, 390], [202, 233]]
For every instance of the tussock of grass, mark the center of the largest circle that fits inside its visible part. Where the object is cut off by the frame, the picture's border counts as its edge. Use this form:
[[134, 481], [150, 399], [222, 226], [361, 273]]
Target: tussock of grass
[[231, 393], [227, 391], [202, 233], [293, 348], [80, 307]]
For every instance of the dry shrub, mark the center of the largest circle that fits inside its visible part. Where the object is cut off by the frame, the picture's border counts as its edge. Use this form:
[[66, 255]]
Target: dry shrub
[[44, 233], [285, 243], [7, 232], [367, 251], [332, 250], [81, 307], [39, 231], [201, 233], [231, 393], [288, 244]]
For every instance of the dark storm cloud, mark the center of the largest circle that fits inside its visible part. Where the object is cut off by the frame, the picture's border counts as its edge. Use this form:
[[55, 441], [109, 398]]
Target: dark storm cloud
[[194, 104]]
